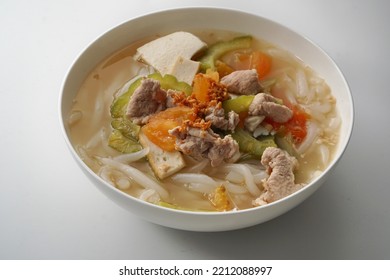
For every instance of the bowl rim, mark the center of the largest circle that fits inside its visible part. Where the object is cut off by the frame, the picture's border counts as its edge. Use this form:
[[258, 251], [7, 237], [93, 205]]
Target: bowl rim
[[80, 162]]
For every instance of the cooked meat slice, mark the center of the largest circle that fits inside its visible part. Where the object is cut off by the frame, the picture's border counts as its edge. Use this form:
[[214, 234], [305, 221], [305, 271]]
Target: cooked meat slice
[[146, 100], [217, 118], [242, 82], [222, 148], [233, 120], [266, 105], [280, 183], [200, 143]]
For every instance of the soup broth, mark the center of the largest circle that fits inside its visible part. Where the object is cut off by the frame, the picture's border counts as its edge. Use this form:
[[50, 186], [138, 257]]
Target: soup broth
[[198, 186]]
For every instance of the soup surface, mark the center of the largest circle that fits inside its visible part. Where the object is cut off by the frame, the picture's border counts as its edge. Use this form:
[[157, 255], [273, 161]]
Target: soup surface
[[250, 125]]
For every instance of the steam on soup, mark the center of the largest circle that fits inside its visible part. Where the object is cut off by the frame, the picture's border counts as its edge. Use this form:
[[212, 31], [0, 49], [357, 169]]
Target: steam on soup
[[205, 121]]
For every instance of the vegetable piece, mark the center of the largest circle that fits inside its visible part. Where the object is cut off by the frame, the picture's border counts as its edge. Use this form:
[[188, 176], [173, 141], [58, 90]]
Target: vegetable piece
[[163, 163], [251, 145], [123, 144], [157, 132], [126, 127], [158, 126], [217, 50], [286, 143], [239, 105], [213, 74], [223, 69], [253, 60], [220, 199], [296, 127], [202, 83], [170, 82], [262, 63], [206, 89]]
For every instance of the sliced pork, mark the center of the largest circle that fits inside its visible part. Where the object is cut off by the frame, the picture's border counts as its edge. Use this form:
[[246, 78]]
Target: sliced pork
[[266, 105], [200, 143], [148, 99], [242, 82], [281, 181], [218, 119]]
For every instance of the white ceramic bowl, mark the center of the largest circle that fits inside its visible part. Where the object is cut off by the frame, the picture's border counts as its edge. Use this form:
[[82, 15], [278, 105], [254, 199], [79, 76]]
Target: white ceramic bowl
[[215, 18]]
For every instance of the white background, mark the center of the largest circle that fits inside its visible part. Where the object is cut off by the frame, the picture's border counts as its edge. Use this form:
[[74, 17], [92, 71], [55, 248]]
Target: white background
[[50, 210]]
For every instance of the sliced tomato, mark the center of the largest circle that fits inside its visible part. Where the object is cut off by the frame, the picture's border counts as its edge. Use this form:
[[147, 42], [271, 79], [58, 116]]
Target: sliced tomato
[[158, 126]]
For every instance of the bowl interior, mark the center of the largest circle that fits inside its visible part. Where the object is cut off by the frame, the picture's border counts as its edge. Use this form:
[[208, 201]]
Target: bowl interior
[[208, 18]]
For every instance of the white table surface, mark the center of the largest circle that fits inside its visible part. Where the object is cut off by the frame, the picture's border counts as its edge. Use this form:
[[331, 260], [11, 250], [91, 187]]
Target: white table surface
[[50, 210]]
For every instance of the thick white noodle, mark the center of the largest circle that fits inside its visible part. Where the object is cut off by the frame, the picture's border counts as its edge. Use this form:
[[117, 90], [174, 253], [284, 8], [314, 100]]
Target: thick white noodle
[[247, 174], [234, 188], [74, 117], [259, 177], [131, 157], [115, 177], [140, 178], [150, 195], [235, 177], [301, 84], [98, 138], [87, 159], [194, 178], [201, 188], [311, 136], [324, 154], [196, 182], [334, 124]]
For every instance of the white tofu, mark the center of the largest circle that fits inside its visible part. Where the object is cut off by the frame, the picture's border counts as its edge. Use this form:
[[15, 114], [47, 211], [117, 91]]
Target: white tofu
[[184, 69], [163, 52], [162, 162]]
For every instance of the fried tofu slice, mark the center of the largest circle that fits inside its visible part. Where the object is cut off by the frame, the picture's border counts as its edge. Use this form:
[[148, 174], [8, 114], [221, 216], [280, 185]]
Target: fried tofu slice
[[163, 163]]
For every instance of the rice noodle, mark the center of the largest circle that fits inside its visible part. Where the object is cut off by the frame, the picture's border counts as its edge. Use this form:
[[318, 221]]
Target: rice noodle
[[115, 177], [324, 154], [283, 55], [259, 177], [199, 187], [74, 117], [140, 178], [88, 160], [248, 177], [123, 183], [131, 157], [321, 107], [125, 87], [194, 178], [301, 84], [150, 195], [334, 124], [235, 177], [281, 90], [312, 134], [98, 138], [234, 188], [196, 182]]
